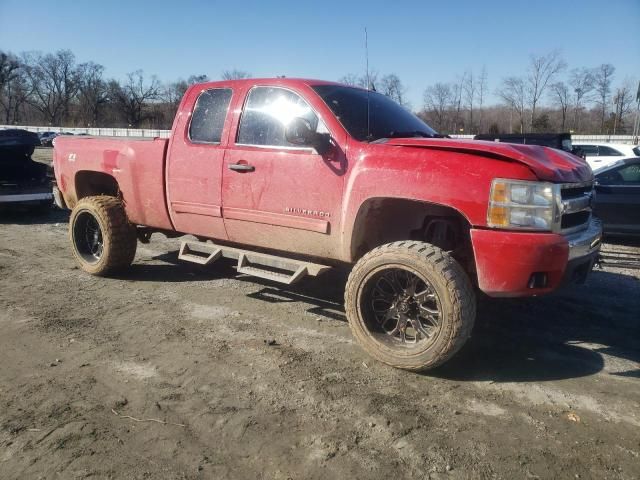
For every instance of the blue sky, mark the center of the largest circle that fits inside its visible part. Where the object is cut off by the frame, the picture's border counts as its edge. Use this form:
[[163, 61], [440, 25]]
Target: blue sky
[[421, 41]]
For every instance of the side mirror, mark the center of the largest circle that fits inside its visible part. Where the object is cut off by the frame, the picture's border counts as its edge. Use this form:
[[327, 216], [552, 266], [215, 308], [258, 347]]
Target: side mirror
[[299, 132]]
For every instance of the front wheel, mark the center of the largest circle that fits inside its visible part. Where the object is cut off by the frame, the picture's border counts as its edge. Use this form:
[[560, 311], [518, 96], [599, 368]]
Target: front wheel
[[102, 238], [410, 305]]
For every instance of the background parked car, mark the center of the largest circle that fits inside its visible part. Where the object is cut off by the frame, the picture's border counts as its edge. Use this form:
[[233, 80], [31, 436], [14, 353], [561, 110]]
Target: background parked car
[[618, 197], [46, 138], [600, 154], [23, 182]]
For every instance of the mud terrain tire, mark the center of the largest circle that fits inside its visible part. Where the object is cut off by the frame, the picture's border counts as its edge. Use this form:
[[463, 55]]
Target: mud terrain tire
[[102, 239], [446, 284]]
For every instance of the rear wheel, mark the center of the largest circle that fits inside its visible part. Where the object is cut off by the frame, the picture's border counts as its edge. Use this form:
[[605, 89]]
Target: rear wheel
[[410, 305], [102, 238]]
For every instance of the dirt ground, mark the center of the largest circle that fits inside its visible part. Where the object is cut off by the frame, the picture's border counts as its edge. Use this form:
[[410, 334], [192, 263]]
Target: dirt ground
[[180, 371]]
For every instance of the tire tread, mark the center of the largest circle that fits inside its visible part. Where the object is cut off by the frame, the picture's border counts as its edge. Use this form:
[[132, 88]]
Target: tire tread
[[116, 226], [457, 283]]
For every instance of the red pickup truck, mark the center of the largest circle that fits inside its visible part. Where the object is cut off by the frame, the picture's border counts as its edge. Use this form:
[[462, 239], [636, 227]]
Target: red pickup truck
[[292, 177]]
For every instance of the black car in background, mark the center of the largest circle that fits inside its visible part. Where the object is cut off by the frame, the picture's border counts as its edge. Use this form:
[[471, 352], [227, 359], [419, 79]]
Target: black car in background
[[617, 201], [46, 138], [23, 181]]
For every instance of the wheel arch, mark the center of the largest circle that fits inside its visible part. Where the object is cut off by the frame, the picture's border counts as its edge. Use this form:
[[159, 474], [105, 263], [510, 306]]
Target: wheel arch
[[382, 220], [90, 183]]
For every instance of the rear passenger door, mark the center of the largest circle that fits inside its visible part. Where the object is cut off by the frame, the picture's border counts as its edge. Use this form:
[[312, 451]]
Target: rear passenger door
[[194, 163]]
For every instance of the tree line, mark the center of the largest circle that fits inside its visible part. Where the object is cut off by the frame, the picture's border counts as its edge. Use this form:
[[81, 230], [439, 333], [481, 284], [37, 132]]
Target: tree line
[[548, 97], [55, 89]]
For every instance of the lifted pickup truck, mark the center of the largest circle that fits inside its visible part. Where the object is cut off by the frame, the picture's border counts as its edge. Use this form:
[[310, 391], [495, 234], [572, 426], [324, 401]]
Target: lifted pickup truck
[[291, 177]]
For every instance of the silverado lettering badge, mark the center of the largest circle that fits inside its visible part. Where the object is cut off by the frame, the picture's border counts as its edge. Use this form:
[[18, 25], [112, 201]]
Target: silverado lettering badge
[[304, 211]]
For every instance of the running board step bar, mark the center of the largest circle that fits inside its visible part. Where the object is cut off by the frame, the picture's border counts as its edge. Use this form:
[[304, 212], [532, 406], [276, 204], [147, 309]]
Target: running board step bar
[[270, 267]]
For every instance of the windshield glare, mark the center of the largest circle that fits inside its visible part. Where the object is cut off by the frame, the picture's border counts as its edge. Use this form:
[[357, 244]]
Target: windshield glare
[[387, 119]]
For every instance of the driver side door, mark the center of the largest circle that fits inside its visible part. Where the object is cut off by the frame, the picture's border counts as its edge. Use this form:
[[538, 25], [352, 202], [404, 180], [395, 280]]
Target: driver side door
[[275, 194]]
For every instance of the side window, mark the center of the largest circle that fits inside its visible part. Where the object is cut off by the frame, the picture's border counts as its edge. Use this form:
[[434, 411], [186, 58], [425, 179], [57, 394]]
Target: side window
[[266, 114], [623, 175], [608, 152], [588, 150], [209, 114], [631, 174]]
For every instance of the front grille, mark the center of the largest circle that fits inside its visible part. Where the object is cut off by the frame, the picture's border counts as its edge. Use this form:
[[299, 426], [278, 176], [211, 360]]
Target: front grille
[[570, 191], [576, 206]]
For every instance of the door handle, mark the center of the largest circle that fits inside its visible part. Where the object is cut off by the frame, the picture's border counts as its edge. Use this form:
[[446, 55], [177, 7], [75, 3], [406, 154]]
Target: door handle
[[241, 167]]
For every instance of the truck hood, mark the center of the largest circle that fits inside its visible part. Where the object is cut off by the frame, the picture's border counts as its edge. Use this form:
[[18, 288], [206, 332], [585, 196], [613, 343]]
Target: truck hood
[[548, 164]]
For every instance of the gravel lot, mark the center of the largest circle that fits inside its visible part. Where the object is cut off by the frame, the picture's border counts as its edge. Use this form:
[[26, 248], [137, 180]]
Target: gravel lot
[[179, 371]]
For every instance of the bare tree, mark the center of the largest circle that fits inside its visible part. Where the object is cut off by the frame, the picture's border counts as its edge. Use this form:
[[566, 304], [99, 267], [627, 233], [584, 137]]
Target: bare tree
[[482, 91], [437, 101], [92, 92], [54, 82], [350, 79], [14, 98], [133, 96], [9, 65], [581, 82], [457, 102], [542, 70], [470, 88], [13, 90], [392, 87], [560, 92], [361, 80], [512, 91], [173, 92], [603, 76], [235, 74], [623, 99]]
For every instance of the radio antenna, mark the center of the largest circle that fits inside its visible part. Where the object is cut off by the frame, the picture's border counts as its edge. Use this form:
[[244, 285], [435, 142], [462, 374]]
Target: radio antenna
[[366, 54]]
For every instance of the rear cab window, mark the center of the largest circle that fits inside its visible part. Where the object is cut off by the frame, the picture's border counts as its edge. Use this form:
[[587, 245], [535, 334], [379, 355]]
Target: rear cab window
[[209, 114]]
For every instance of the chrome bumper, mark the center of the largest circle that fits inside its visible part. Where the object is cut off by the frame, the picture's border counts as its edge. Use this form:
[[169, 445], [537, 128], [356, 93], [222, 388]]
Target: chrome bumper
[[585, 242]]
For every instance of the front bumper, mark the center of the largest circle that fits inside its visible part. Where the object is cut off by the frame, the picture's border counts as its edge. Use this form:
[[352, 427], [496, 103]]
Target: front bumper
[[516, 264]]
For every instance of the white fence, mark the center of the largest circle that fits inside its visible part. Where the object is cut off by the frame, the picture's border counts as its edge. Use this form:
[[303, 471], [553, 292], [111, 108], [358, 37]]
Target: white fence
[[100, 132], [582, 138], [151, 133]]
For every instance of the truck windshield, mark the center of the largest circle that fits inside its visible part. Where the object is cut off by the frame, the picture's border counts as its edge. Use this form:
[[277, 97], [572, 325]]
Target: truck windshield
[[387, 119]]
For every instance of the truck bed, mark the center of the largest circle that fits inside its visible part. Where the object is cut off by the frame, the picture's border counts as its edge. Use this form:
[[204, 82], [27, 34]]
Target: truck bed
[[136, 165]]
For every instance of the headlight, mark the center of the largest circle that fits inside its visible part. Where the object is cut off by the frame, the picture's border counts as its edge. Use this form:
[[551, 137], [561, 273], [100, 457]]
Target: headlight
[[525, 205]]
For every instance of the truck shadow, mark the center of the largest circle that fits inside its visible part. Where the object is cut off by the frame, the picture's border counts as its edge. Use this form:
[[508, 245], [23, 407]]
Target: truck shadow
[[24, 216], [565, 335], [560, 336]]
